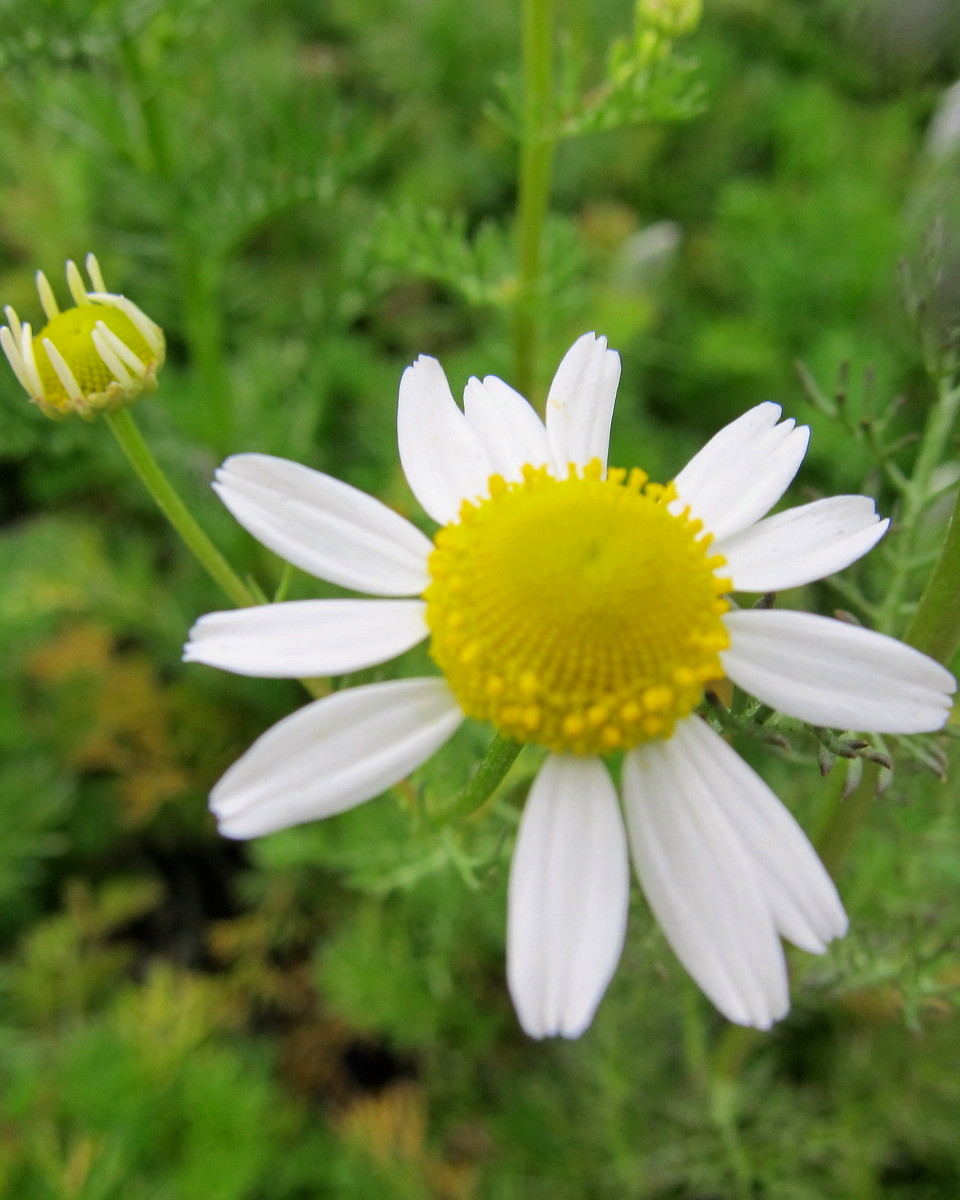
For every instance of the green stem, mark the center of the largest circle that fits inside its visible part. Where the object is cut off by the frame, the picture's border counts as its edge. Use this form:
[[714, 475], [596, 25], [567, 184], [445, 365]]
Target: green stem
[[155, 126], [537, 148], [124, 429], [718, 1084], [843, 819], [201, 287], [733, 1049], [695, 1047], [499, 758], [935, 627], [198, 265], [723, 1113], [931, 452]]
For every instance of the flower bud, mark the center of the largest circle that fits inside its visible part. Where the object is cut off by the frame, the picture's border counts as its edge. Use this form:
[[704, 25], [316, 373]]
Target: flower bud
[[670, 18], [96, 356]]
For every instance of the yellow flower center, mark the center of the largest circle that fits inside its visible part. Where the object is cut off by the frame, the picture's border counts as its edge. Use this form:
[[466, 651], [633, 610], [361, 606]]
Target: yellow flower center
[[577, 613], [70, 331]]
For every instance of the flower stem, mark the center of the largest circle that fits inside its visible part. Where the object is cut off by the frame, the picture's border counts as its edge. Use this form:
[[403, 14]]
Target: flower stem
[[198, 265], [844, 818], [537, 148], [124, 429], [499, 758], [732, 1052], [155, 127], [718, 1087], [723, 1103], [931, 452], [935, 627]]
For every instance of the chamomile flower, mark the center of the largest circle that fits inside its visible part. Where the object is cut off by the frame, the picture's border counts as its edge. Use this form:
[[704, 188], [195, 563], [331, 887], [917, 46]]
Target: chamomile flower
[[97, 355], [583, 609]]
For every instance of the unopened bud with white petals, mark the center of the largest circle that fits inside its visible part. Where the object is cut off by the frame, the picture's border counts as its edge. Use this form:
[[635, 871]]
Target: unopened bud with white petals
[[98, 355]]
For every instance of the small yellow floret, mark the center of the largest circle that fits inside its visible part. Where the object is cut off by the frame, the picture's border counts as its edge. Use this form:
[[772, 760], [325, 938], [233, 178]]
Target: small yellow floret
[[531, 718], [658, 697], [572, 727], [579, 613], [528, 683]]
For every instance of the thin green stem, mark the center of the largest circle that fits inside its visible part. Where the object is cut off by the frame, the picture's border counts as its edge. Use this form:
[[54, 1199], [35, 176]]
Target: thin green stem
[[723, 1113], [124, 429], [537, 149], [844, 818], [155, 125], [838, 830], [198, 265], [935, 627], [733, 1049], [931, 452], [695, 1049], [718, 1087], [201, 287], [499, 758]]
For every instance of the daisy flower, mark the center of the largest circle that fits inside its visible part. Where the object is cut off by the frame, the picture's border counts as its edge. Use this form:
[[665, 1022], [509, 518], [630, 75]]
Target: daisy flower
[[99, 354], [583, 609]]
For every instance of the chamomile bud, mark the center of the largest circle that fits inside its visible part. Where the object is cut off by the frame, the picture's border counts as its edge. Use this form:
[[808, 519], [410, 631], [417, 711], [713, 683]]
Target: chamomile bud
[[97, 355]]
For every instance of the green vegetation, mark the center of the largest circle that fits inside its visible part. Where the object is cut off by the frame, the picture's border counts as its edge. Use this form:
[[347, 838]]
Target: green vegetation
[[306, 196]]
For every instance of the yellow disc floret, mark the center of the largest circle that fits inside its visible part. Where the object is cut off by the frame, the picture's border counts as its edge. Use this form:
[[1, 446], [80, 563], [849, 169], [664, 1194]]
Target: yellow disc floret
[[71, 332], [579, 613]]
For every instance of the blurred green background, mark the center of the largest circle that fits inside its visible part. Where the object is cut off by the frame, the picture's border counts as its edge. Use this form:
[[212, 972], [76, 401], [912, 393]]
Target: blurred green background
[[306, 196]]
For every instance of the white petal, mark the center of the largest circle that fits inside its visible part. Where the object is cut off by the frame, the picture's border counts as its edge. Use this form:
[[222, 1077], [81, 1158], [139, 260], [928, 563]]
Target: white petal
[[93, 270], [801, 544], [151, 333], [47, 299], [742, 471], [568, 897], [700, 882], [120, 348], [444, 461], [833, 673], [580, 403], [323, 526], [102, 338], [14, 322], [334, 754], [508, 427], [75, 283], [11, 349], [29, 359], [800, 894], [307, 637], [62, 369]]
